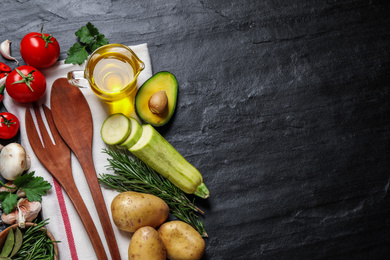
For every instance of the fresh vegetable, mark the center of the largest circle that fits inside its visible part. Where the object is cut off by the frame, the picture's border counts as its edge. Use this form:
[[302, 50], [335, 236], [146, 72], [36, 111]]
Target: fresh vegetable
[[146, 244], [132, 210], [5, 50], [181, 241], [13, 161], [39, 50], [161, 156], [25, 211], [4, 67], [89, 39], [25, 84], [9, 125], [34, 187], [135, 134], [37, 243], [156, 99], [115, 129], [3, 75], [134, 175]]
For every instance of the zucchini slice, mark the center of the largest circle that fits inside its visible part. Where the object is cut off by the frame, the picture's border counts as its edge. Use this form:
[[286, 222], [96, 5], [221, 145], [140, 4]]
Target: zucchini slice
[[115, 129]]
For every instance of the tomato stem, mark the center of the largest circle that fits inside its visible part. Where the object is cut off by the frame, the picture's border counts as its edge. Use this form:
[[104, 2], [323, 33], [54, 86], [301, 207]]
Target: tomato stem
[[7, 122], [25, 79], [47, 39]]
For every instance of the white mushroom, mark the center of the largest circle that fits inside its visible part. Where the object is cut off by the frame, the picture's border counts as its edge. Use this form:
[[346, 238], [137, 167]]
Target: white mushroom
[[13, 161], [25, 211]]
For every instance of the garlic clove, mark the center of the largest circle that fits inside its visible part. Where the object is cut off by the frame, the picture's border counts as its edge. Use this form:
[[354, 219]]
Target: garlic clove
[[5, 50], [29, 209], [9, 184], [10, 218], [21, 194]]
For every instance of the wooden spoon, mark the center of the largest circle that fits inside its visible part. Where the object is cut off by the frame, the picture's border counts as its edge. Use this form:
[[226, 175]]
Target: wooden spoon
[[73, 119]]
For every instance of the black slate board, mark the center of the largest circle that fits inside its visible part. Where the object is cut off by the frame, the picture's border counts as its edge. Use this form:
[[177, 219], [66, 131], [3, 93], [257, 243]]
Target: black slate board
[[283, 106]]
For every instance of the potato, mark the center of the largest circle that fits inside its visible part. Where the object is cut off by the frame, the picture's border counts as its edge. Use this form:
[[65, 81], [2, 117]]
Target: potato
[[132, 210], [181, 241], [147, 244]]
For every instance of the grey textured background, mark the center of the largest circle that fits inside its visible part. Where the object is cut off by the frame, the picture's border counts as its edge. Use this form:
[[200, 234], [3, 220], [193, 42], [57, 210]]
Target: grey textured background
[[283, 106]]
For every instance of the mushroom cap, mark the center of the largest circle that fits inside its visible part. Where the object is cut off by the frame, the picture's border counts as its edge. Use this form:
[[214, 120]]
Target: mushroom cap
[[13, 161]]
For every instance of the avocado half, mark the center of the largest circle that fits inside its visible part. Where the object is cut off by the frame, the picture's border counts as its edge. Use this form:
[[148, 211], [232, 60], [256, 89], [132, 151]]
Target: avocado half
[[165, 81]]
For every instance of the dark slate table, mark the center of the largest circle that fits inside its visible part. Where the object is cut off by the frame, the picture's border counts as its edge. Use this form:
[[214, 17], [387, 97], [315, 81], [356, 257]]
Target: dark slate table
[[283, 106]]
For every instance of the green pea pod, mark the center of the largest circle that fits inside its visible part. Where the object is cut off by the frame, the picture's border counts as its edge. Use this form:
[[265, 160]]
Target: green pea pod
[[9, 244], [18, 242]]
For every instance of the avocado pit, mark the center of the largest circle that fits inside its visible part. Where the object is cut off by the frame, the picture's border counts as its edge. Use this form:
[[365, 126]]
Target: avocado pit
[[158, 102]]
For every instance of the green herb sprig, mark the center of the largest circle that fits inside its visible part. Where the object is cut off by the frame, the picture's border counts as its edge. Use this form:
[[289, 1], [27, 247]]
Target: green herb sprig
[[36, 244], [134, 175], [89, 39], [34, 187]]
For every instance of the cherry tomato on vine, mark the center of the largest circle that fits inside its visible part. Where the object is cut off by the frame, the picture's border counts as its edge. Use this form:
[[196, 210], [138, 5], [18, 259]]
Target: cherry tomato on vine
[[9, 125], [39, 50], [25, 84]]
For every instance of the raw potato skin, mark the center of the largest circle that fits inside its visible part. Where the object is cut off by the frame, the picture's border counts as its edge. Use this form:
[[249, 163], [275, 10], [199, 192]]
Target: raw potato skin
[[182, 241], [147, 244], [132, 210]]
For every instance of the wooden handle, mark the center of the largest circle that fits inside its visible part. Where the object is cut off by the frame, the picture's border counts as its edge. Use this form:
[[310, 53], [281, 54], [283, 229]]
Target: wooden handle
[[86, 218], [86, 163]]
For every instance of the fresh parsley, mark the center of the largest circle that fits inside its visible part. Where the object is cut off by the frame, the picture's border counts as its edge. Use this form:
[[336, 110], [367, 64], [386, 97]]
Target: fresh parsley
[[89, 39], [33, 186]]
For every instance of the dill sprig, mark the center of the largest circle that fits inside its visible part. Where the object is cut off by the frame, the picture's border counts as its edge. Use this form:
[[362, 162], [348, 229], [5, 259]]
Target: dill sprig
[[134, 175]]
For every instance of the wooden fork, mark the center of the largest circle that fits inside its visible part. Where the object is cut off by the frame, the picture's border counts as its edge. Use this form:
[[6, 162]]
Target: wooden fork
[[56, 158]]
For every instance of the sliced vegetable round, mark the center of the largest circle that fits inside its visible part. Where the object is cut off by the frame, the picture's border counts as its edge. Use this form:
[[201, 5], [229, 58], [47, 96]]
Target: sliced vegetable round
[[135, 134], [115, 129], [25, 84], [9, 125]]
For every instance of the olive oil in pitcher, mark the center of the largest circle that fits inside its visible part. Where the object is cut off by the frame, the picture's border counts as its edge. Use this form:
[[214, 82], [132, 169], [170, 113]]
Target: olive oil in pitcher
[[112, 72]]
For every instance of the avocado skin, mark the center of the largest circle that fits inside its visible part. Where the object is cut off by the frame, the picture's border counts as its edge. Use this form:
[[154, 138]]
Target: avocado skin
[[162, 80]]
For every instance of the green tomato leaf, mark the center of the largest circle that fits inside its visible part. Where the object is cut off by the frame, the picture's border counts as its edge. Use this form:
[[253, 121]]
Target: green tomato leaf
[[77, 54], [34, 187], [9, 203], [99, 41]]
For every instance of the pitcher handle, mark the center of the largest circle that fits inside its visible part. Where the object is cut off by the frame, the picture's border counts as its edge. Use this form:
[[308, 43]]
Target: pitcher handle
[[76, 78]]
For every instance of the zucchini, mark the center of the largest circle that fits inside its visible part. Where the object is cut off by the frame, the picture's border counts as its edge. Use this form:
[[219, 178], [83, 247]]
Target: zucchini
[[135, 134], [115, 129], [162, 157]]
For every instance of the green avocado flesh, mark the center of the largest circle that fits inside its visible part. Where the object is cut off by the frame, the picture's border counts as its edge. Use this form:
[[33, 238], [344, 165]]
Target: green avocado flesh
[[160, 81]]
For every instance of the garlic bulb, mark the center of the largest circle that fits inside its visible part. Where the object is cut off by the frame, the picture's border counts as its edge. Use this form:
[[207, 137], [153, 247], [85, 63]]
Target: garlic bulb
[[5, 50], [25, 211]]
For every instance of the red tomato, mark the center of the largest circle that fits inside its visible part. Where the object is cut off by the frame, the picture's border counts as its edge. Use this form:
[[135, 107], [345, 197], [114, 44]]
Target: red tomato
[[4, 67], [39, 50], [25, 84], [9, 125]]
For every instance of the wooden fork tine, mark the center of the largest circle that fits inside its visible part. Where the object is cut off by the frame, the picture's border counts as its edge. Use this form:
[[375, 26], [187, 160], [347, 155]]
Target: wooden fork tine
[[31, 129], [42, 128], [50, 122]]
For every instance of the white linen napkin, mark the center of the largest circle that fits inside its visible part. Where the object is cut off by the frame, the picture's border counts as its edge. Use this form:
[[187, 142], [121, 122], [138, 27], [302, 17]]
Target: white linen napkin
[[64, 223]]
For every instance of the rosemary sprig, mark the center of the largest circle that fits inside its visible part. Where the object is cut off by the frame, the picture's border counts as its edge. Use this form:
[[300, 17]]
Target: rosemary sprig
[[134, 175], [36, 244]]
